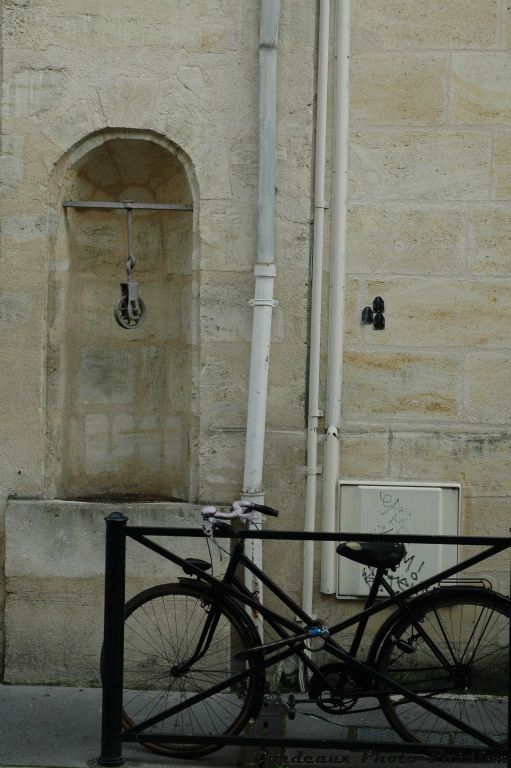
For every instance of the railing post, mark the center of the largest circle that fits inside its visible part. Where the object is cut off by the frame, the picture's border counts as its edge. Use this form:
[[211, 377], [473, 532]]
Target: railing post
[[509, 677], [113, 641]]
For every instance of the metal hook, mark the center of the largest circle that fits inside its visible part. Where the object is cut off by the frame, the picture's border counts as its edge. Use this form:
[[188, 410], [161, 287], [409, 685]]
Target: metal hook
[[130, 261]]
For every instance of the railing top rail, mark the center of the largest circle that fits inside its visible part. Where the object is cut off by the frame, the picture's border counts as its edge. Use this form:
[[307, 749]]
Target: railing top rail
[[142, 530]]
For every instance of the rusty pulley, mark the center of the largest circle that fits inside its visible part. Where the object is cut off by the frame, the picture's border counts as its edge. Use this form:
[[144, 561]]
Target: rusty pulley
[[130, 310]]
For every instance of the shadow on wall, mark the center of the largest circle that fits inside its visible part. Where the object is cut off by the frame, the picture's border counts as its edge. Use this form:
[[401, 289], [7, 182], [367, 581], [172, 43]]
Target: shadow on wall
[[119, 401]]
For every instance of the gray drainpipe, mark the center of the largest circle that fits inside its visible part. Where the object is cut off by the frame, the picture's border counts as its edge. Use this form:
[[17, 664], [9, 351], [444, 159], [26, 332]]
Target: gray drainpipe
[[264, 269]]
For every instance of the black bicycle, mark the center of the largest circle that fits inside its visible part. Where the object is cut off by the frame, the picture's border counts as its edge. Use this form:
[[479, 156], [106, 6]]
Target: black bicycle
[[195, 664]]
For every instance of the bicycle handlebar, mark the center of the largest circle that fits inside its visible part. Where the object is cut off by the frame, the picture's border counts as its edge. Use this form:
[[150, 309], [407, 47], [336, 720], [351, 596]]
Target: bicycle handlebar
[[269, 511], [240, 509]]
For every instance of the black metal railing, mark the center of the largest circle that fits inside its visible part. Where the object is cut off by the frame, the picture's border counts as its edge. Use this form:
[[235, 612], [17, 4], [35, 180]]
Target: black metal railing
[[112, 732]]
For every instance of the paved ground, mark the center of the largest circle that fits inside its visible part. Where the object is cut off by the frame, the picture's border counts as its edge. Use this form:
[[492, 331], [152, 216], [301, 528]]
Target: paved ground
[[50, 727]]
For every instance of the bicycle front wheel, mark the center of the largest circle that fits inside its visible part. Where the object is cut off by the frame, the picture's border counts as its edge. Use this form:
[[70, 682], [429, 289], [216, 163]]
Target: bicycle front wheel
[[455, 654], [179, 643]]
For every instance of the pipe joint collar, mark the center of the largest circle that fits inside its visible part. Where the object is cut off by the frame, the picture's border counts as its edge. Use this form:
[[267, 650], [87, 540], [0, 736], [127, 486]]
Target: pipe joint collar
[[263, 303], [332, 431], [265, 269], [255, 495]]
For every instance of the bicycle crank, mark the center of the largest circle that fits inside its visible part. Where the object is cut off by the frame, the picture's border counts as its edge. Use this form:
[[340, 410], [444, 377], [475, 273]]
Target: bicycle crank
[[335, 689]]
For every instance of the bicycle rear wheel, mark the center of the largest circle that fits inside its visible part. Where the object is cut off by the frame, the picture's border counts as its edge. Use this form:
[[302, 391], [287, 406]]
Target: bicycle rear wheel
[[457, 658], [163, 628]]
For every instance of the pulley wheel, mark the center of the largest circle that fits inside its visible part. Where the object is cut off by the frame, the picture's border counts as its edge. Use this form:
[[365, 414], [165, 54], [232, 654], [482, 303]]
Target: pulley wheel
[[122, 317]]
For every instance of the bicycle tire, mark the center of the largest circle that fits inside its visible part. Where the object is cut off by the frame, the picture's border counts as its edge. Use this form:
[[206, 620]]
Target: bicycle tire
[[161, 630], [471, 628]]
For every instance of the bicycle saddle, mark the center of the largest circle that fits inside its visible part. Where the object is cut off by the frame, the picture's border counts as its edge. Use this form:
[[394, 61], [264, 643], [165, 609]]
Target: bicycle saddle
[[377, 554], [202, 564]]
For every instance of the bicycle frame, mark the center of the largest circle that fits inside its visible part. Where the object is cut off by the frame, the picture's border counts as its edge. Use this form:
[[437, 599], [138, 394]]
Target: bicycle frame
[[231, 588]]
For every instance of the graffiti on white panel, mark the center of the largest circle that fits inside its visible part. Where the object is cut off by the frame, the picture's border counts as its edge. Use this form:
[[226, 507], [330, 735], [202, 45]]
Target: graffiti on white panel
[[393, 517]]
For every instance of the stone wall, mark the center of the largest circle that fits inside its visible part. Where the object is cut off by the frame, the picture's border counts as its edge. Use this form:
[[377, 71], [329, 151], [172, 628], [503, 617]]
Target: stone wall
[[185, 74], [182, 76], [426, 399], [54, 607]]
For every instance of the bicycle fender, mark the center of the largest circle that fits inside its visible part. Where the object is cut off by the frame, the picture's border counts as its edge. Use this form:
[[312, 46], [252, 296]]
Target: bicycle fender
[[244, 618], [214, 591]]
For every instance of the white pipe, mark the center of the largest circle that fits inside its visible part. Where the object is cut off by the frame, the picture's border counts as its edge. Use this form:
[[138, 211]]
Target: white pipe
[[314, 413], [337, 281], [264, 269]]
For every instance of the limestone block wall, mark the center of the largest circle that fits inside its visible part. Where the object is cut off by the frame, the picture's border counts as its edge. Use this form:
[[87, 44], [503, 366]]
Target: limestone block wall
[[185, 74], [430, 198], [429, 212], [85, 409], [54, 607]]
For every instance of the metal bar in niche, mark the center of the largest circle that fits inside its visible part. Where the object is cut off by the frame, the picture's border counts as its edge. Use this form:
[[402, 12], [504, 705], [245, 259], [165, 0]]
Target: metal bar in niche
[[127, 205], [129, 311]]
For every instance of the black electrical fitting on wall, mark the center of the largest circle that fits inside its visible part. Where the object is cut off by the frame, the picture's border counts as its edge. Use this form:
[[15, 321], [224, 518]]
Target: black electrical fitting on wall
[[375, 315]]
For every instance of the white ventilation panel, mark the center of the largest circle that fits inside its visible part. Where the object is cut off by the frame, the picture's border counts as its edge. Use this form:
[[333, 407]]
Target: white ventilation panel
[[427, 509]]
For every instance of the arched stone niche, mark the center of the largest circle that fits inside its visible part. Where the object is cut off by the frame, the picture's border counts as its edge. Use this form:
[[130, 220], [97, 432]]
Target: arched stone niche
[[120, 402]]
